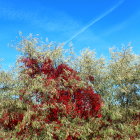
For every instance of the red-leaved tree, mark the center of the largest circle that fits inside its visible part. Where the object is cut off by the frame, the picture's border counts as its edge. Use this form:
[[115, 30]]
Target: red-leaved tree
[[67, 99]]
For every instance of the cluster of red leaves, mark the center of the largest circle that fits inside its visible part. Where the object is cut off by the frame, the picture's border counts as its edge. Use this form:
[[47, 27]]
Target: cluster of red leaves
[[10, 120], [81, 102]]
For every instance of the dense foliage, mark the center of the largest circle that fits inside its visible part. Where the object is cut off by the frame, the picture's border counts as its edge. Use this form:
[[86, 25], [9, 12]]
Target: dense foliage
[[76, 101], [62, 97]]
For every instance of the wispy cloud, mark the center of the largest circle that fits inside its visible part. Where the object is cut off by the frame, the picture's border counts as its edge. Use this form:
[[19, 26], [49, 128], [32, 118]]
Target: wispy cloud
[[122, 25], [13, 14], [54, 22], [94, 21]]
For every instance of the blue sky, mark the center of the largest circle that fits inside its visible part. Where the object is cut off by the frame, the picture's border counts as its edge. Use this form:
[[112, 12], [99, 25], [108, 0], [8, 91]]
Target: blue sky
[[61, 20]]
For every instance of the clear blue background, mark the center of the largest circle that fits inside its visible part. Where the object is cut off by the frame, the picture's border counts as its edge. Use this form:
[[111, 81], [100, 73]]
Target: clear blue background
[[59, 20]]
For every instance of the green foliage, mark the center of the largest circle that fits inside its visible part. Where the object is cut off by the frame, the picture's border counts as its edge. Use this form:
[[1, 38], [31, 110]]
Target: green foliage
[[117, 81]]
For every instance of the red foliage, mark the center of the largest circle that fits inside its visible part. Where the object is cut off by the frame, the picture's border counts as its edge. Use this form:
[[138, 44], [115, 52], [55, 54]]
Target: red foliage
[[90, 78], [82, 102], [47, 67], [71, 138], [10, 120]]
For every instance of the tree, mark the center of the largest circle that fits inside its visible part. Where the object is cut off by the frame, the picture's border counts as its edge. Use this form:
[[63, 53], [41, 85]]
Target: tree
[[57, 98], [124, 72], [51, 95]]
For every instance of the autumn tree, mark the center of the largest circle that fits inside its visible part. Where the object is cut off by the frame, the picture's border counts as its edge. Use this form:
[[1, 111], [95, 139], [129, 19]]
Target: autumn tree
[[60, 94], [51, 95]]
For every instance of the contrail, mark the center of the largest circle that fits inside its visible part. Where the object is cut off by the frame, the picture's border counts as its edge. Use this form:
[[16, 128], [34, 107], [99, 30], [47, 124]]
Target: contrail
[[94, 21]]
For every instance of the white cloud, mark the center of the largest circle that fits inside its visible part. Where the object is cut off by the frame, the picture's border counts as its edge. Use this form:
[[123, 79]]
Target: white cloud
[[94, 21], [52, 21], [124, 24]]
